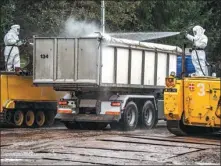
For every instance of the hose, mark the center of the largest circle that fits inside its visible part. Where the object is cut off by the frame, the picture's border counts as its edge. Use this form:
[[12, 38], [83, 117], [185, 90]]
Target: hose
[[6, 63], [218, 105]]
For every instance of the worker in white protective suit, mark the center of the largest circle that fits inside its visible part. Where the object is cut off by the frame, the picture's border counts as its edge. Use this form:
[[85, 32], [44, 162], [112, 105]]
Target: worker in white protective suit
[[11, 53], [199, 44]]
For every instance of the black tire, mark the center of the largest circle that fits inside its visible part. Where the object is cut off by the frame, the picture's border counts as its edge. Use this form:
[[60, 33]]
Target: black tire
[[178, 128], [130, 117], [30, 119], [18, 118], [72, 125], [175, 127], [8, 116], [49, 117], [40, 118], [149, 115]]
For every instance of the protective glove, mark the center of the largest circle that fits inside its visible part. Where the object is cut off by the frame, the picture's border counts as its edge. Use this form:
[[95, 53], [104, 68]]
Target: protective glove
[[25, 42], [19, 43], [183, 34]]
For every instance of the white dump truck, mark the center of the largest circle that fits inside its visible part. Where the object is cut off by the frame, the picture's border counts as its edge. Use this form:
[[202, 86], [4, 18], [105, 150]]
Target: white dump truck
[[110, 80]]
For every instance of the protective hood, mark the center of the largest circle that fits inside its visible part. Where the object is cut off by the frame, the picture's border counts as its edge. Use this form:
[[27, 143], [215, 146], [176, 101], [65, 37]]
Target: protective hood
[[198, 31], [15, 29]]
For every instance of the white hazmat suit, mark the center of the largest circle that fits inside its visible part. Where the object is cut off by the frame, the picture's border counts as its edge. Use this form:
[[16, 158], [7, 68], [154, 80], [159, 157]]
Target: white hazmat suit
[[200, 42], [11, 53]]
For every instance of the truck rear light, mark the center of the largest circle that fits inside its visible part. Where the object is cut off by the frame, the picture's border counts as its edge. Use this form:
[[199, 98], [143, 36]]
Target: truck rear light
[[170, 82], [64, 111], [62, 102], [112, 113], [115, 104], [171, 115]]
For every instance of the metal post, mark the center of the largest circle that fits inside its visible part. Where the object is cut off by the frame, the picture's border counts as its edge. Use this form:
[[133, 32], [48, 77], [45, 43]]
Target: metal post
[[103, 16], [183, 62]]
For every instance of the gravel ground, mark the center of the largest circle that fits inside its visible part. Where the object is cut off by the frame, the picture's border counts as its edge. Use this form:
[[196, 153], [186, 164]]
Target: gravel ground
[[59, 146]]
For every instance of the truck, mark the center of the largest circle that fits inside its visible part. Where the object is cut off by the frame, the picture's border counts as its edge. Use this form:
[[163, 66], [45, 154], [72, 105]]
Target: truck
[[21, 103], [109, 80], [192, 105]]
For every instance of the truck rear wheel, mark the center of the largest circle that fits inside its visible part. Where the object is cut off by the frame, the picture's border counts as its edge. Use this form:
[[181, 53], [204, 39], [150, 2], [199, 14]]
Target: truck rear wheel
[[18, 118], [148, 115], [130, 117], [40, 118], [29, 118]]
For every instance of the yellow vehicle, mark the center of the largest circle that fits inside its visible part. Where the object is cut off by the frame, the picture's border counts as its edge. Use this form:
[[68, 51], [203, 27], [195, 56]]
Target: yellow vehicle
[[22, 103], [192, 105]]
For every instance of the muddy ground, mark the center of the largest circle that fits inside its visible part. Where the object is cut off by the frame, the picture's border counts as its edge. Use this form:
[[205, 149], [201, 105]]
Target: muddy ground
[[60, 146]]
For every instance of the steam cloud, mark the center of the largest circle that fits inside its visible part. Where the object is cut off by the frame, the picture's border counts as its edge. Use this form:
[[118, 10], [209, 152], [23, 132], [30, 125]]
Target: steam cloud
[[74, 28]]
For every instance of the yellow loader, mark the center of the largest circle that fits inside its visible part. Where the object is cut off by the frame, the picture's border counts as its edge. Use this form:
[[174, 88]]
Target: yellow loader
[[192, 105]]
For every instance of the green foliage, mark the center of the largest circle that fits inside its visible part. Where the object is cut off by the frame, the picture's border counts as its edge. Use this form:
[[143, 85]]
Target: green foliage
[[47, 17], [121, 16]]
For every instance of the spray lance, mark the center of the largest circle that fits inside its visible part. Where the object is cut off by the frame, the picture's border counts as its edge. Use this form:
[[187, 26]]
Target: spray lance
[[183, 34]]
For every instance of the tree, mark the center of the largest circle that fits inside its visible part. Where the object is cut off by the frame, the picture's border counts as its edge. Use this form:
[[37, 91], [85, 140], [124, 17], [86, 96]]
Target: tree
[[179, 16], [47, 17]]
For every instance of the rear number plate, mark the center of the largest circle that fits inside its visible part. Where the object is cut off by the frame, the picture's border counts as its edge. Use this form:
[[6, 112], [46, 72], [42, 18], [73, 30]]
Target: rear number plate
[[170, 90]]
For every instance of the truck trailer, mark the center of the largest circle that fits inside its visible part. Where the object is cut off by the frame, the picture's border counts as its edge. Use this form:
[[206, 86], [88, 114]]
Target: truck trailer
[[109, 80]]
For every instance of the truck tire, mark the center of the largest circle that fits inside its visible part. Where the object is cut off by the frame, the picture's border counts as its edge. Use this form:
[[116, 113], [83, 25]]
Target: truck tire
[[18, 118], [148, 115], [72, 125], [130, 117]]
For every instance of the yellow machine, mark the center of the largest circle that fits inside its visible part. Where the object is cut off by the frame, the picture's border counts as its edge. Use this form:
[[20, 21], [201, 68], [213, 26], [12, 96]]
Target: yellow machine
[[192, 105], [23, 104]]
